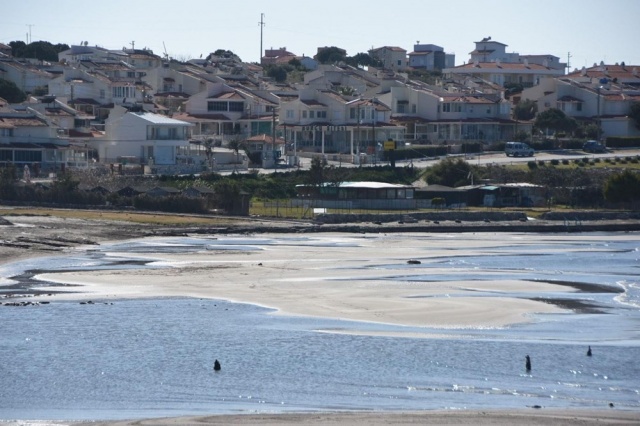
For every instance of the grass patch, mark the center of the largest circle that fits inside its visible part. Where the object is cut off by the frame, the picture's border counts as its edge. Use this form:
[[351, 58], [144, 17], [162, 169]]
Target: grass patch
[[120, 216]]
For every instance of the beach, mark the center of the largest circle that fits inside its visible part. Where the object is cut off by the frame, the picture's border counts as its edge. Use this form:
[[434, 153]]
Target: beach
[[316, 277], [530, 417]]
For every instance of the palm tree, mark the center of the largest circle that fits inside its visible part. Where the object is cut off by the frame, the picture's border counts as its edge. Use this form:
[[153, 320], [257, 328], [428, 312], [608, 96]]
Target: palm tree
[[236, 144], [208, 146]]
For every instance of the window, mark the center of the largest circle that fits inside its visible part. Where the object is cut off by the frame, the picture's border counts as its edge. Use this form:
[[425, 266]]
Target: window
[[414, 109], [123, 92], [401, 108], [579, 106], [27, 156], [173, 133], [446, 107], [102, 93], [321, 114], [289, 113], [6, 132], [304, 114], [312, 114], [131, 74], [236, 106], [216, 106], [352, 113]]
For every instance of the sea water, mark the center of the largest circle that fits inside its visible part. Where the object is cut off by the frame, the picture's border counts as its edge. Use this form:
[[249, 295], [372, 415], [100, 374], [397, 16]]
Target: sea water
[[154, 357]]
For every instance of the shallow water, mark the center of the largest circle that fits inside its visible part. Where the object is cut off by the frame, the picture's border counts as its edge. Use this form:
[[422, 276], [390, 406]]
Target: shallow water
[[154, 358]]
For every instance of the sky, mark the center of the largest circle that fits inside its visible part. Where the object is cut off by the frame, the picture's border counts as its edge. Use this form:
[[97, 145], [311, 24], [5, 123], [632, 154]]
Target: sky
[[590, 31]]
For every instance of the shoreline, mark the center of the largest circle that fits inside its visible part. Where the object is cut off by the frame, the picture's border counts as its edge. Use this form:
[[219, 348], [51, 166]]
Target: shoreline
[[531, 416], [265, 277], [270, 272]]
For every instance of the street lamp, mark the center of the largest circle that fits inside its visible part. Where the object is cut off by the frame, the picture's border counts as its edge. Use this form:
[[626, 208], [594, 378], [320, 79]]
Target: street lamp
[[598, 121]]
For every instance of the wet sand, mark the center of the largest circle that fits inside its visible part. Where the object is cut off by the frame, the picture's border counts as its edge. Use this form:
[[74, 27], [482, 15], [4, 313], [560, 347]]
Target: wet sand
[[530, 416], [309, 283]]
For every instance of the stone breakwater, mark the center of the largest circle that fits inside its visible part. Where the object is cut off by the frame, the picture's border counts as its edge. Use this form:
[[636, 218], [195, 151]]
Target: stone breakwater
[[462, 216]]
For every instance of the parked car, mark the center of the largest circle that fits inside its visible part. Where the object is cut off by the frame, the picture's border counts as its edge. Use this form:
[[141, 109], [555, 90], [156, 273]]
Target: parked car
[[593, 146], [518, 149]]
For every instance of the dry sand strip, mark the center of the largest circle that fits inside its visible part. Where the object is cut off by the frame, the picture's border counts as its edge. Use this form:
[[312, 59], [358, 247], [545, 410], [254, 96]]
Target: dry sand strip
[[491, 417]]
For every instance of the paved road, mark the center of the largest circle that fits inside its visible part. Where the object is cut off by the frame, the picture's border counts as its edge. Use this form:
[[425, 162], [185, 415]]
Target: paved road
[[479, 159]]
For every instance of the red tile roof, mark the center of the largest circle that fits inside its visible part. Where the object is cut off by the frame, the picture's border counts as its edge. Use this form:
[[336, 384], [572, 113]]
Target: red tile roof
[[502, 65], [620, 72], [264, 138]]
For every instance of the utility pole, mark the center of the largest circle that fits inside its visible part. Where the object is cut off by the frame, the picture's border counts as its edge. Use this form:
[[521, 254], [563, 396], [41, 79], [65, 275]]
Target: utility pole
[[273, 133], [29, 35], [261, 23], [568, 62]]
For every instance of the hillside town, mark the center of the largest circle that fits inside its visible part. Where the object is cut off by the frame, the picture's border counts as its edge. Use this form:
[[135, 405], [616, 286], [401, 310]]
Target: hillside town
[[133, 108]]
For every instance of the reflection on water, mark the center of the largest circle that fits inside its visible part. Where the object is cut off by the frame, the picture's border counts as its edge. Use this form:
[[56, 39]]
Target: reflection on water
[[152, 358]]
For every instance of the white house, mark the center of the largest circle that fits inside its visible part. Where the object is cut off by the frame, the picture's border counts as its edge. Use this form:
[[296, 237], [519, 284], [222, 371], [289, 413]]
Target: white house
[[432, 114], [26, 77], [142, 138], [505, 73], [222, 112], [392, 57], [30, 138], [323, 121], [593, 99], [430, 57]]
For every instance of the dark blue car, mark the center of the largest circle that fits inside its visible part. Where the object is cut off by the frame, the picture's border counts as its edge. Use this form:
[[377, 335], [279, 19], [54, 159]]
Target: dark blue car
[[593, 146]]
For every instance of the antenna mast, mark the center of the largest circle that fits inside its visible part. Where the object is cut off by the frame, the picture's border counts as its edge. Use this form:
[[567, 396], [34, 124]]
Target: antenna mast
[[568, 62], [261, 23], [29, 35]]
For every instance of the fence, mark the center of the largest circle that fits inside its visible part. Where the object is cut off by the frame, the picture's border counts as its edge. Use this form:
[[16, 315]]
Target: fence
[[309, 208]]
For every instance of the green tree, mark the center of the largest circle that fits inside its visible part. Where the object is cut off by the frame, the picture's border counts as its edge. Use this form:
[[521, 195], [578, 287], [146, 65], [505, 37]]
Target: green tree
[[316, 174], [622, 187], [513, 88], [346, 91], [556, 120], [525, 110], [236, 144], [221, 53], [331, 55], [363, 59], [295, 62], [278, 72], [11, 92], [449, 172], [42, 50], [16, 46], [634, 113]]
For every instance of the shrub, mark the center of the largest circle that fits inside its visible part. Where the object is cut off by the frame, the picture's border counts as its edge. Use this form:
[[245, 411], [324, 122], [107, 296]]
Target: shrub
[[532, 165], [565, 161], [540, 162], [555, 162], [438, 202]]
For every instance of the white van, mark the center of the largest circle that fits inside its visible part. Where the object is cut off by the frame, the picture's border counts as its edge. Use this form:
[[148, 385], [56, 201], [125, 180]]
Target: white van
[[518, 149]]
